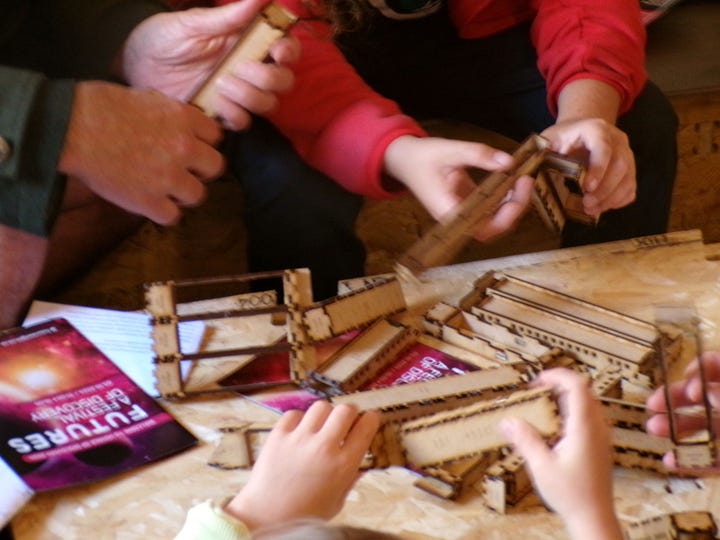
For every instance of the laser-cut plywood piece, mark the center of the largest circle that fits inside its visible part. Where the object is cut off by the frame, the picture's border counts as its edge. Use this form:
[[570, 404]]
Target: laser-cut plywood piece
[[688, 525], [505, 483], [447, 237], [360, 360], [699, 449], [406, 401], [253, 45], [239, 446], [450, 480], [462, 432]]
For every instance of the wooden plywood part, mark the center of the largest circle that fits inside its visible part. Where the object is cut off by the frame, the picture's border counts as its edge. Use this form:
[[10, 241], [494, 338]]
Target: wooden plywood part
[[465, 431], [450, 480], [356, 309], [589, 344], [573, 308], [557, 197], [253, 45], [361, 359], [699, 448], [406, 401], [688, 525], [624, 414], [608, 383], [505, 483], [447, 237], [469, 331], [231, 451], [636, 449]]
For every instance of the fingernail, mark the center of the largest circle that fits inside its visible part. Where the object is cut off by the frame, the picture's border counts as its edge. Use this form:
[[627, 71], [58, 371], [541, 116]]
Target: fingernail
[[502, 158]]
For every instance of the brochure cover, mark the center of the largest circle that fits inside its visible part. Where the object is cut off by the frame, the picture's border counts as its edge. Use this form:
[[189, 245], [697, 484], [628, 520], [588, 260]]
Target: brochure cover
[[416, 363], [68, 415]]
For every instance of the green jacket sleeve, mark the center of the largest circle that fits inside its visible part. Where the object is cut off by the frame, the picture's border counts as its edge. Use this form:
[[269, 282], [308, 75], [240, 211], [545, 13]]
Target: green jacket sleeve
[[207, 521], [33, 125], [82, 39]]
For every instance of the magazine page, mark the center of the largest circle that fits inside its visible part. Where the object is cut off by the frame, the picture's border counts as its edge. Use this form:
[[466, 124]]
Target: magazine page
[[68, 415]]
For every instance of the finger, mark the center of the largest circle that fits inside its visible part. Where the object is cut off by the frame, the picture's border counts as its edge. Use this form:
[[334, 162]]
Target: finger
[[204, 128], [207, 163], [696, 394], [339, 422], [225, 19], [575, 398], [659, 425], [289, 421], [362, 433], [509, 212], [232, 116], [262, 77], [163, 212], [285, 50], [599, 161], [465, 154], [190, 193], [316, 416], [242, 93], [527, 442], [656, 400], [617, 189]]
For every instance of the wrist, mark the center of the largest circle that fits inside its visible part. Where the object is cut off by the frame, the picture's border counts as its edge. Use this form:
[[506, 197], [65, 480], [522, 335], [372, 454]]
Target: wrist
[[597, 525], [396, 155]]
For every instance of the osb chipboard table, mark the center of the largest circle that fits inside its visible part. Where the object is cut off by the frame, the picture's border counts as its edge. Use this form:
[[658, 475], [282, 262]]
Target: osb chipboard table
[[628, 276]]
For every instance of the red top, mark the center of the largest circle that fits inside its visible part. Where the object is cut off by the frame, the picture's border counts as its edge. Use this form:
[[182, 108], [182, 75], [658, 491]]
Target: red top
[[342, 127]]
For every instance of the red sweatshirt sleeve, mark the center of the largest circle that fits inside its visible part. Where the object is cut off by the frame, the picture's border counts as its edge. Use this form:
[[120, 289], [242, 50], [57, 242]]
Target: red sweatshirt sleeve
[[335, 121], [597, 39]]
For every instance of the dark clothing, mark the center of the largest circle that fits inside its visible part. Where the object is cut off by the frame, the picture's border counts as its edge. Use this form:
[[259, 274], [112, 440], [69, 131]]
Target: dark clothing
[[494, 83], [296, 217]]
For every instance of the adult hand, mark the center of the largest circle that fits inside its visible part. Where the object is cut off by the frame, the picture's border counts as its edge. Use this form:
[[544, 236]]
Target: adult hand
[[175, 53], [610, 179], [435, 171], [140, 150], [687, 393], [574, 476], [307, 466], [587, 112]]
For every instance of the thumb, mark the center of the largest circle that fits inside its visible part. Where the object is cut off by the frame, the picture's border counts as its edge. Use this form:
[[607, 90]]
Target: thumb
[[527, 442], [229, 18]]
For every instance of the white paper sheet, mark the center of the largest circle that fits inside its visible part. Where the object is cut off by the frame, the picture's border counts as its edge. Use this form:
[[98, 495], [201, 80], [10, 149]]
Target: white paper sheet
[[14, 494], [123, 336]]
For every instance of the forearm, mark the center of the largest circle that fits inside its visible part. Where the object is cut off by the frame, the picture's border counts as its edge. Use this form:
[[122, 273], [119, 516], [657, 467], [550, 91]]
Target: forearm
[[601, 525], [588, 98]]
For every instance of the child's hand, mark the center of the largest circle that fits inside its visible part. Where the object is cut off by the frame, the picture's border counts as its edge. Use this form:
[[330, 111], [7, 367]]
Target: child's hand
[[307, 466], [687, 393], [574, 477], [434, 170]]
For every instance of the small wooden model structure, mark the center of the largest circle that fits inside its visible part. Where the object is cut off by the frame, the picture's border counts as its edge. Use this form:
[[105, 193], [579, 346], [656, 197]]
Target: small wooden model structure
[[307, 322], [505, 331]]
